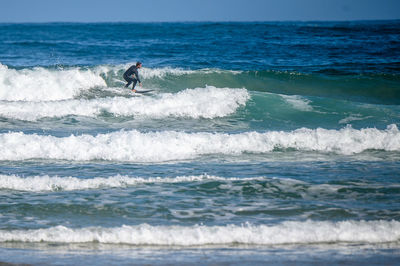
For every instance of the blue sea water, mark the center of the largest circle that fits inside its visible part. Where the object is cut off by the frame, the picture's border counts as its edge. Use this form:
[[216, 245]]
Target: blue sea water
[[261, 143]]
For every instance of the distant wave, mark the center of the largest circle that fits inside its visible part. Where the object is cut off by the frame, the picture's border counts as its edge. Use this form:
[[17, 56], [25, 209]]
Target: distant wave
[[308, 232], [55, 183], [209, 102], [268, 186], [171, 145]]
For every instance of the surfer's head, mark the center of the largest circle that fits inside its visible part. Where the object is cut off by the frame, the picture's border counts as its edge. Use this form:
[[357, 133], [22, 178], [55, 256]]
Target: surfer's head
[[138, 64]]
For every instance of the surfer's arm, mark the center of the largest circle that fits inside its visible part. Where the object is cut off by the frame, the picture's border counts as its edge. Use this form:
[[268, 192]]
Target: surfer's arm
[[137, 76]]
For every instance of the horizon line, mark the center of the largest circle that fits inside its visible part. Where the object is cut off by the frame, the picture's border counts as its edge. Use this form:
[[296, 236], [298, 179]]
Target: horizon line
[[197, 21]]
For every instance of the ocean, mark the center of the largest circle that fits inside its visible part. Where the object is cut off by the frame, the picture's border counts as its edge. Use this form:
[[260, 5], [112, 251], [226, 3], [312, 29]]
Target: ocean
[[261, 143]]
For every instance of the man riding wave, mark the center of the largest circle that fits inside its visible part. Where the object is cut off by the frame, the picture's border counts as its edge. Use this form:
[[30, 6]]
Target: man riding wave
[[132, 76]]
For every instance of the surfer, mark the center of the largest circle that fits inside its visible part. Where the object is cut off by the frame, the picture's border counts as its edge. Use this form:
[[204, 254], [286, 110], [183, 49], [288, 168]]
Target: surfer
[[132, 75]]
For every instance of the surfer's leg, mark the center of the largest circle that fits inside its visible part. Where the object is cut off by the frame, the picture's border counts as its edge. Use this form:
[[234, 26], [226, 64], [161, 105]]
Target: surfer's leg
[[129, 83], [129, 80], [134, 83]]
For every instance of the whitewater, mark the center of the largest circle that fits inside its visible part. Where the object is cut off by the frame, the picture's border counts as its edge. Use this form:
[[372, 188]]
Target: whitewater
[[136, 146], [286, 233]]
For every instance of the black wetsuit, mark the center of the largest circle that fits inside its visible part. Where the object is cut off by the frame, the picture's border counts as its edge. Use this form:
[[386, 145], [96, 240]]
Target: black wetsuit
[[132, 75]]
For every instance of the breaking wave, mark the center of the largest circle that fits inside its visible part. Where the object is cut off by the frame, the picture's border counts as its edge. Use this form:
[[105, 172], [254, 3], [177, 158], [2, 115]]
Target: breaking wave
[[308, 232], [49, 83], [164, 146], [209, 102]]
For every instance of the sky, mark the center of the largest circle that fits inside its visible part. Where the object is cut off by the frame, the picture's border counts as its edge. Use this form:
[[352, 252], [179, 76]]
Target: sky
[[195, 10]]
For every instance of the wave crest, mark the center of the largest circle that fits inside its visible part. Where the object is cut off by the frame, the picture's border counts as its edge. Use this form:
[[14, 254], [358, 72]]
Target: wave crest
[[309, 232], [171, 145], [41, 84]]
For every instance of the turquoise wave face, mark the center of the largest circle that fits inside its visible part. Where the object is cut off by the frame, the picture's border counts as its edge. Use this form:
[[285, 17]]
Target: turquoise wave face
[[278, 111], [374, 88]]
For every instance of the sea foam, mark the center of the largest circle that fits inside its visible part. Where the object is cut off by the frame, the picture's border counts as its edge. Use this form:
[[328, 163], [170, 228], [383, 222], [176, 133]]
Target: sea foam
[[208, 102], [164, 146], [308, 232]]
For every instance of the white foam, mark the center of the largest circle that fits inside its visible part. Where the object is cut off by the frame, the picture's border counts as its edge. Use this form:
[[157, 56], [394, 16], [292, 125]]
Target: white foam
[[56, 183], [171, 145], [147, 73], [308, 232], [298, 102], [41, 84], [209, 102]]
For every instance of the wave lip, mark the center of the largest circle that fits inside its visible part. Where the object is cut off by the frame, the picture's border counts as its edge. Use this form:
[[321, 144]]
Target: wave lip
[[308, 232], [56, 183], [171, 145], [41, 84], [208, 102], [162, 72]]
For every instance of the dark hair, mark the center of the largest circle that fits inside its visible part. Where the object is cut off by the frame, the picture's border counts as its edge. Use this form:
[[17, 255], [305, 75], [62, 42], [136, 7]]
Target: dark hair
[[138, 63]]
